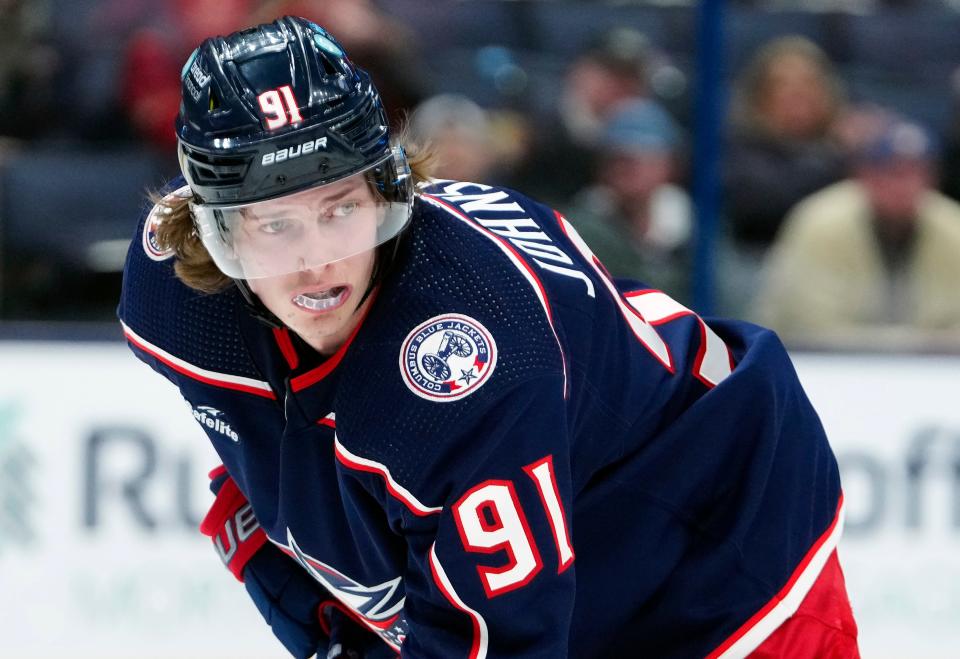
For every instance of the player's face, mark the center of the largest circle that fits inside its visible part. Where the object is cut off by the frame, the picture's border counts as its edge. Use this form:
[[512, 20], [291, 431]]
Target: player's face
[[320, 303], [306, 230], [299, 232]]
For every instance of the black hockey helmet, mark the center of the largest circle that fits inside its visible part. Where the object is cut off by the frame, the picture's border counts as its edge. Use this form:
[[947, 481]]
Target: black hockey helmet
[[276, 111]]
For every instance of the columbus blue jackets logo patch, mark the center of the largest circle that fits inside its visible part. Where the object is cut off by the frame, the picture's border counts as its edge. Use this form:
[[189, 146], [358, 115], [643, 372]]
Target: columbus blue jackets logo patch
[[447, 357], [157, 213]]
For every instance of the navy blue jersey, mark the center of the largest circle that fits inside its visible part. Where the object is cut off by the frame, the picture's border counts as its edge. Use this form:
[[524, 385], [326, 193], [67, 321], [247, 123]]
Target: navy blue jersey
[[513, 455]]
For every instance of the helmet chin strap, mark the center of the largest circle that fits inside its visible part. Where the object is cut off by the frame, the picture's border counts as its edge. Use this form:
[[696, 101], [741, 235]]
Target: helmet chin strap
[[257, 308]]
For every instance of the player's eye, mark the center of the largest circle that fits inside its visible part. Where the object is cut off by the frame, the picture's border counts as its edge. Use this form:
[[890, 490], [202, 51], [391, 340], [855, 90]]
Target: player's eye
[[344, 209], [274, 226]]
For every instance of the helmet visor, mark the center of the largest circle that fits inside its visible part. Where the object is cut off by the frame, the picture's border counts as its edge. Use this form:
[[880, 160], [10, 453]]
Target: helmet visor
[[300, 231]]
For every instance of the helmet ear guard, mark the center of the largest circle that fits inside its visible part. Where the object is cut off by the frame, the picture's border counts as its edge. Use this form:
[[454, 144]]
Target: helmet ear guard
[[397, 177]]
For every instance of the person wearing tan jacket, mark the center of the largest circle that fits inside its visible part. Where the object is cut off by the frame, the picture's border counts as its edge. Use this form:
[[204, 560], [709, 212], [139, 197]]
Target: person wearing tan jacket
[[871, 261]]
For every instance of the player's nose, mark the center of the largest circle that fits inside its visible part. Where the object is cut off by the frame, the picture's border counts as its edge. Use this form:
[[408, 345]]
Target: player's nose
[[314, 256]]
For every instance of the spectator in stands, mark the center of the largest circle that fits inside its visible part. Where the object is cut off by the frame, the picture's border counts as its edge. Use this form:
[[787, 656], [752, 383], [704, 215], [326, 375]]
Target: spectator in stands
[[950, 161], [611, 71], [633, 215], [872, 258], [28, 65], [460, 134], [154, 55], [784, 143]]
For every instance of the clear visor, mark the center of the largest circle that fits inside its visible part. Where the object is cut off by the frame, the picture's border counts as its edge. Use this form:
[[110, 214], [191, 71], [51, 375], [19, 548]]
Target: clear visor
[[301, 231]]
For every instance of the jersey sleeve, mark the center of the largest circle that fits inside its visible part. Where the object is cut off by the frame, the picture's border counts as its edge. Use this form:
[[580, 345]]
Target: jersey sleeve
[[492, 573], [194, 341]]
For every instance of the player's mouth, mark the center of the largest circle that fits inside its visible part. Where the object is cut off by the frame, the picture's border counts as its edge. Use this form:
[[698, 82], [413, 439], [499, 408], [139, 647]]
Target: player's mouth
[[322, 301]]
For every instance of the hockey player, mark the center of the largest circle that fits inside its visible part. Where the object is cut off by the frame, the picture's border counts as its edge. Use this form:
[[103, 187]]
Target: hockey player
[[445, 431]]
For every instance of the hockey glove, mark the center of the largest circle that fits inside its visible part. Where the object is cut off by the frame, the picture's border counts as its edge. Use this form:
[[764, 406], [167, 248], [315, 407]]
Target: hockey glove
[[300, 611], [286, 596], [348, 638]]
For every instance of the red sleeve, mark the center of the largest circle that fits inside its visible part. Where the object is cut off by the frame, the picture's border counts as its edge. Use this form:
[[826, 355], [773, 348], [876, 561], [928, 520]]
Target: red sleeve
[[823, 627]]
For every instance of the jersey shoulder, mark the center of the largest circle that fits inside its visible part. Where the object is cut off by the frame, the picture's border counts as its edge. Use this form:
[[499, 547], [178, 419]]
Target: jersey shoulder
[[449, 265], [169, 325], [455, 332]]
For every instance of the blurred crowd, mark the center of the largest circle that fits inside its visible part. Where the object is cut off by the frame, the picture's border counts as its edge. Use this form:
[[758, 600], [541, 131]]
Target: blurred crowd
[[839, 225]]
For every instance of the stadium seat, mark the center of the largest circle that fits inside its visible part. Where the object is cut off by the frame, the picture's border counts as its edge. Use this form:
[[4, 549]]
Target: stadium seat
[[65, 217]]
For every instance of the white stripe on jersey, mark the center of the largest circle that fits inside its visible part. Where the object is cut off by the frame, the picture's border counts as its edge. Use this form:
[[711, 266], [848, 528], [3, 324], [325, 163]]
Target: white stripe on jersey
[[396, 489], [481, 640], [656, 307], [188, 368], [751, 638]]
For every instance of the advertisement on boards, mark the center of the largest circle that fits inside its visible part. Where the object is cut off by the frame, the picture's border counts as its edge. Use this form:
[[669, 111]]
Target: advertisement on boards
[[103, 486], [103, 473], [894, 424]]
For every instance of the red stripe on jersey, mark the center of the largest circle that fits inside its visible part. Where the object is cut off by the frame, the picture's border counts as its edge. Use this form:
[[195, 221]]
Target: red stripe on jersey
[[785, 603], [314, 376], [701, 354], [222, 380], [395, 489], [658, 308], [282, 337], [478, 646]]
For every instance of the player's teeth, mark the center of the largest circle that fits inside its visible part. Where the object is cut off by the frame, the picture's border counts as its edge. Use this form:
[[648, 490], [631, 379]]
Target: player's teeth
[[320, 300]]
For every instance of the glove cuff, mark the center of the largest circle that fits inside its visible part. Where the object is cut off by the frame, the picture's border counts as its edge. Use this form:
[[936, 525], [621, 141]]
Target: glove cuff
[[231, 524]]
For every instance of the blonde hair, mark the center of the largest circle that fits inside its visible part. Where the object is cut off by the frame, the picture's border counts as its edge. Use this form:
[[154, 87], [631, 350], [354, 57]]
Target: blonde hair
[[753, 84], [194, 266]]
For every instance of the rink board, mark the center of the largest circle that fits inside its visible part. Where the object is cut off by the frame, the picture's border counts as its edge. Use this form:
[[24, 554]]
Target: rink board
[[102, 484]]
